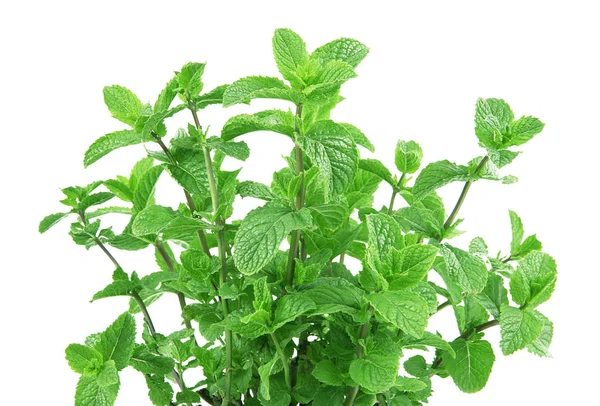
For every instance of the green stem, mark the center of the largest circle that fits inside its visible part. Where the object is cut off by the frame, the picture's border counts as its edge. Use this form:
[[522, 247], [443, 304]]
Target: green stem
[[395, 193], [463, 194], [443, 305], [364, 330], [222, 247], [284, 361], [300, 197]]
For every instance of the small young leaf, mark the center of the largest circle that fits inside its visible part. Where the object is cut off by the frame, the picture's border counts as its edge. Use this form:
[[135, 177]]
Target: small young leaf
[[408, 156], [522, 130], [83, 359]]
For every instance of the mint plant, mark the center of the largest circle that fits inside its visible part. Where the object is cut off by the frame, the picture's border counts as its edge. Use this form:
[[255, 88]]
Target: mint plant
[[270, 312]]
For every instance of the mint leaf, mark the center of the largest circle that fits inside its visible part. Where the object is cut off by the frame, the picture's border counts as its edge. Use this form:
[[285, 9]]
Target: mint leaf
[[90, 392], [471, 367], [290, 54], [329, 216], [347, 50], [421, 220], [83, 359], [122, 104], [51, 220], [262, 231], [409, 266], [376, 167], [405, 310], [541, 344], [384, 234], [94, 200], [144, 192], [327, 372], [262, 295], [492, 122], [270, 120], [254, 189], [522, 130], [534, 280], [159, 391], [408, 156], [436, 175], [519, 328], [378, 370], [148, 363], [517, 232], [251, 87], [468, 271], [333, 153], [335, 72], [190, 79], [494, 295], [329, 395], [110, 142], [166, 96], [249, 326], [290, 307], [429, 340], [332, 295], [116, 342], [152, 220], [357, 136], [265, 371], [187, 396]]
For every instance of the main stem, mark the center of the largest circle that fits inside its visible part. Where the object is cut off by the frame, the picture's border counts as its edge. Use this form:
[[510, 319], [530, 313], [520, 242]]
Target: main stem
[[214, 196], [300, 197], [463, 194]]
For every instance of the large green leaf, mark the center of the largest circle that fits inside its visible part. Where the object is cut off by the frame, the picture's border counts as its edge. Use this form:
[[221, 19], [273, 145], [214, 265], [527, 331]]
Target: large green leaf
[[377, 371], [262, 231], [435, 175], [117, 341], [468, 271], [108, 143], [471, 367], [405, 310], [278, 121], [519, 328], [91, 391]]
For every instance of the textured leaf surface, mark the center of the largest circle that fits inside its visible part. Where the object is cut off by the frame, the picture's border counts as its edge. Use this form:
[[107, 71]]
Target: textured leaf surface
[[245, 89], [122, 104], [290, 54], [435, 175], [117, 341], [82, 358], [471, 367], [262, 231], [159, 391], [347, 50], [51, 220], [408, 156], [108, 143], [409, 266], [270, 120], [468, 271], [518, 328], [405, 310], [90, 392], [378, 370]]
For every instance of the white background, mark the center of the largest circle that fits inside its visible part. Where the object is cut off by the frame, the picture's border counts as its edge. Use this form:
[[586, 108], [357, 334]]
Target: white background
[[429, 62]]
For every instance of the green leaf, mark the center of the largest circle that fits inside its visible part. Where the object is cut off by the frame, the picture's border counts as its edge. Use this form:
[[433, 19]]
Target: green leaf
[[347, 50], [417, 366], [251, 87], [517, 232], [503, 157], [159, 391], [435, 175], [408, 156], [329, 216], [270, 120], [148, 363], [116, 288], [190, 79], [534, 280], [120, 189], [357, 136], [406, 384], [237, 150], [327, 372], [144, 192], [471, 367], [83, 359], [468, 271], [429, 340], [249, 326], [494, 295], [421, 220], [376, 167], [290, 307], [541, 344], [110, 142], [117, 341], [522, 130], [492, 121], [332, 295], [290, 54], [262, 231], [257, 190], [166, 96], [152, 219], [122, 104], [187, 396], [378, 370], [334, 154], [263, 299], [51, 220], [384, 234], [329, 396], [152, 124], [265, 371], [478, 247], [190, 172], [409, 266], [215, 96], [94, 200], [334, 72], [90, 392], [405, 310], [518, 328]]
